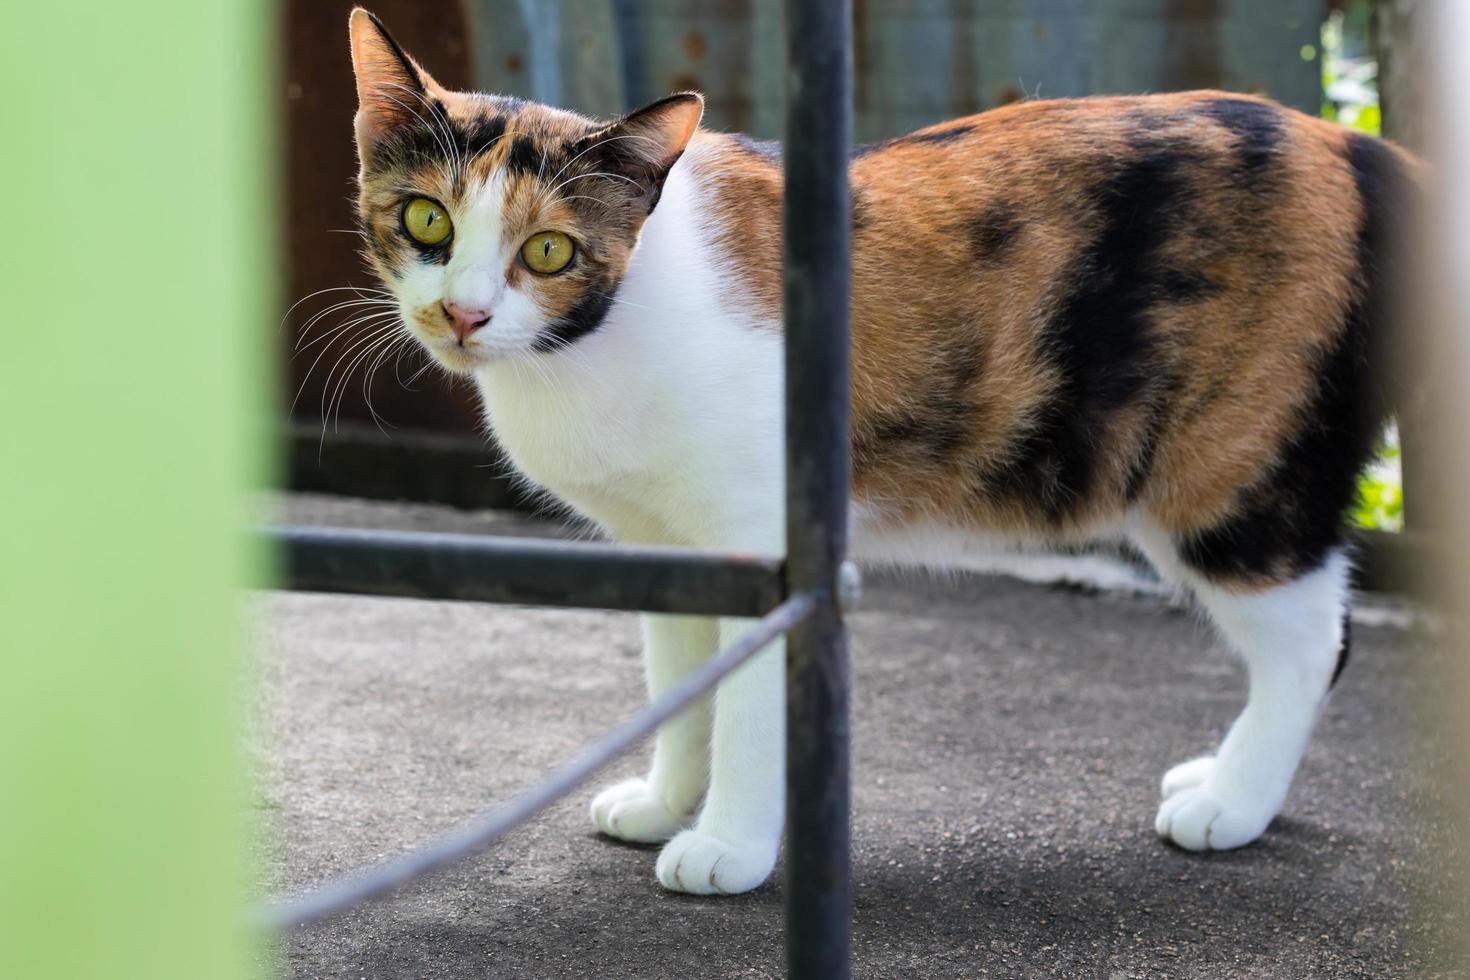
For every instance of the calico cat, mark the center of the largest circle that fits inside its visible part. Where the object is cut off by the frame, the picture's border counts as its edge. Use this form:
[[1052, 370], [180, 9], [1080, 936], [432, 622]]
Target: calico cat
[[1152, 320]]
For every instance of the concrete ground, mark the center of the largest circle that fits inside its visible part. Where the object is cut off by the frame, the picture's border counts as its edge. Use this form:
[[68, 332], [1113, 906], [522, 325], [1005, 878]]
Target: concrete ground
[[1007, 737]]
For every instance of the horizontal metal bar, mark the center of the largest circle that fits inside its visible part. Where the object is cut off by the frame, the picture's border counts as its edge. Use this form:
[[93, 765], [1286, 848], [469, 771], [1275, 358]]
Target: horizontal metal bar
[[533, 572], [342, 893]]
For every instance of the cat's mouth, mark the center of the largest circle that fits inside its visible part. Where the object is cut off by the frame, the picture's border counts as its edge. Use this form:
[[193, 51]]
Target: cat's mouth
[[477, 350], [459, 356], [470, 355], [461, 359]]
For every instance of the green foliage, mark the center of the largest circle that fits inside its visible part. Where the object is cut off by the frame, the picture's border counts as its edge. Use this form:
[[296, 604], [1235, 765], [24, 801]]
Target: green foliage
[[1349, 71], [1364, 118], [1380, 503], [1350, 97]]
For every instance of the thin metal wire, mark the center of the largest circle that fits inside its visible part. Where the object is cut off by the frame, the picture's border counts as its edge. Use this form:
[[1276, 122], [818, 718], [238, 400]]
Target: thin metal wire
[[340, 894]]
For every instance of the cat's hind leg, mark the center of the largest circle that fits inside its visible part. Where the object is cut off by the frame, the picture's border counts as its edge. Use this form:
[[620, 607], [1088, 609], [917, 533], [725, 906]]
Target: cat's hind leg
[[1291, 637]]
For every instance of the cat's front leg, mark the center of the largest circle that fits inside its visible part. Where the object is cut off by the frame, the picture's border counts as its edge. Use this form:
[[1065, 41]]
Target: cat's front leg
[[653, 809], [732, 848]]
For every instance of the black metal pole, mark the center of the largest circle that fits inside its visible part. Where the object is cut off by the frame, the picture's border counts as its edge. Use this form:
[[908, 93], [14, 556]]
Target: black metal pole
[[817, 264]]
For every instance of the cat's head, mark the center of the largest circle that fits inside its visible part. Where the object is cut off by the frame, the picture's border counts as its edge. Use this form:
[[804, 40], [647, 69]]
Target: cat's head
[[502, 227]]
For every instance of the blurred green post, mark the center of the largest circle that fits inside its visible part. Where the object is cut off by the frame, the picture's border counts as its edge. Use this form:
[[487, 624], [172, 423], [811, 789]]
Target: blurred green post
[[137, 179]]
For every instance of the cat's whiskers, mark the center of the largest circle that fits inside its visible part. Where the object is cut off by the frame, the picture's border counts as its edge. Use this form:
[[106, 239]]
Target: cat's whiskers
[[359, 290], [554, 389], [543, 378], [408, 348], [448, 147], [360, 346], [430, 363], [346, 331], [441, 118], [592, 146], [306, 377], [580, 360], [404, 342], [584, 197], [374, 348], [556, 181], [326, 336], [484, 149], [640, 306], [329, 386], [433, 131], [595, 173], [394, 343], [362, 320], [383, 305]]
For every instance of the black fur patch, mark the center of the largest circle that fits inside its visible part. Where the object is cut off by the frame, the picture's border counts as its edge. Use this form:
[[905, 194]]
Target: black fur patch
[[940, 136], [409, 147], [580, 320], [940, 431], [994, 231], [1258, 132], [483, 134], [912, 139], [620, 157], [1186, 286], [939, 428], [524, 157], [1293, 517], [1099, 342]]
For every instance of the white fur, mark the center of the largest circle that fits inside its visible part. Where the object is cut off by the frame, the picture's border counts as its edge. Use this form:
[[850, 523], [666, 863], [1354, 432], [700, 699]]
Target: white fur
[[1290, 638], [664, 426]]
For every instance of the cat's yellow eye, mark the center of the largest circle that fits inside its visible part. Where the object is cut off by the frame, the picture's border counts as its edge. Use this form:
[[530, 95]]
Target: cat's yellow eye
[[547, 252], [426, 222]]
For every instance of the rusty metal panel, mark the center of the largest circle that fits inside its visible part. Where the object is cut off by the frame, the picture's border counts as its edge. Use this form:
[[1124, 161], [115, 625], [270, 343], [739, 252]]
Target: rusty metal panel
[[317, 101], [916, 61]]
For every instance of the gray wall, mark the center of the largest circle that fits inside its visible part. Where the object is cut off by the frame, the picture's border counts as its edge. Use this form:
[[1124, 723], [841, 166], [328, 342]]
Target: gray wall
[[917, 61]]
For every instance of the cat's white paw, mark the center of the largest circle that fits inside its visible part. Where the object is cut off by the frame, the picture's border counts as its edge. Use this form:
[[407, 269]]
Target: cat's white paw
[[1198, 819], [702, 865], [632, 811], [1188, 775]]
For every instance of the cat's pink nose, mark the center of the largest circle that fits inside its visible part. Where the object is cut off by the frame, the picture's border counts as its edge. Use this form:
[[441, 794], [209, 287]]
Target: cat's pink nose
[[465, 320]]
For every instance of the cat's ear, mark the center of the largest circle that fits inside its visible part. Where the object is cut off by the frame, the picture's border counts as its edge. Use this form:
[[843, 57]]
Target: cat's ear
[[644, 144], [391, 88]]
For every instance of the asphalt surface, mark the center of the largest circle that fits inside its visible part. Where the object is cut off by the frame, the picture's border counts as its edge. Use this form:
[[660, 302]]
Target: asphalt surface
[[1008, 739]]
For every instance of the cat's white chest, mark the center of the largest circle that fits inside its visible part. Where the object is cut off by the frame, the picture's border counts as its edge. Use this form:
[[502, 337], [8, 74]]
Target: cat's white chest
[[666, 420], [677, 441], [561, 437]]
